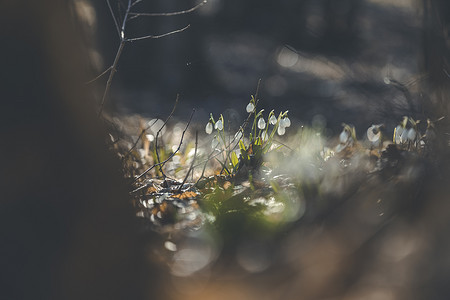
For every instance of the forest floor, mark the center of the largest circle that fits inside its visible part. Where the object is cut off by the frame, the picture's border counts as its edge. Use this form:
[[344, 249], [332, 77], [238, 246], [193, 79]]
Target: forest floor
[[334, 219]]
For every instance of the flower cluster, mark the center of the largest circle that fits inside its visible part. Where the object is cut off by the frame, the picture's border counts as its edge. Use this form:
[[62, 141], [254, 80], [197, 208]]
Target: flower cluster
[[218, 125], [406, 131], [260, 138], [280, 123]]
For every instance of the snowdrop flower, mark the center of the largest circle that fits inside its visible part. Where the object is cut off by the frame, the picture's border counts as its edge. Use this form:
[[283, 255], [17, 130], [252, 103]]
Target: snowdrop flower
[[264, 136], [411, 134], [250, 107], [285, 122], [374, 133], [209, 128], [261, 123], [344, 136], [273, 120], [219, 125], [398, 133], [281, 130]]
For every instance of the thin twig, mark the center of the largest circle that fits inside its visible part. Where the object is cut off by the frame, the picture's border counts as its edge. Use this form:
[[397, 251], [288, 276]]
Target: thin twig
[[103, 73], [172, 155], [204, 167], [446, 73], [111, 75], [123, 40], [138, 139], [122, 33], [157, 36], [114, 17], [192, 164], [170, 14], [135, 2], [159, 131], [284, 145]]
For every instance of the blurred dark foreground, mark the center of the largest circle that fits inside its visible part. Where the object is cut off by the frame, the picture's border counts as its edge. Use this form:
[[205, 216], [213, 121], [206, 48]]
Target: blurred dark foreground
[[67, 230]]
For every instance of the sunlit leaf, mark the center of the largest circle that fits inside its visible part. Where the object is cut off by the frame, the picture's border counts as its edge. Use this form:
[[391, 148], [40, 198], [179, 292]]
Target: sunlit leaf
[[234, 159]]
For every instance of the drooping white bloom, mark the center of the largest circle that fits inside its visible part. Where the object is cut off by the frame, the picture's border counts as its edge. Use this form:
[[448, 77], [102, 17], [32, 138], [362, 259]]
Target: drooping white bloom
[[344, 136], [411, 135], [261, 123], [264, 136], [404, 136], [373, 133], [398, 133], [250, 107], [209, 128], [281, 130], [219, 125], [286, 122], [273, 120]]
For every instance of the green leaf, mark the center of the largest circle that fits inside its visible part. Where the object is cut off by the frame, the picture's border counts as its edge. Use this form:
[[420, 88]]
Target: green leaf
[[234, 159], [241, 145]]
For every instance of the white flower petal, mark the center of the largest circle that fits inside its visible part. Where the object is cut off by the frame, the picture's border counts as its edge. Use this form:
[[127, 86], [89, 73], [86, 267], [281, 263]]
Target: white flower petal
[[261, 123], [264, 136], [404, 136], [209, 128], [373, 133], [219, 125], [397, 135], [250, 107], [281, 130], [273, 120], [344, 136], [411, 135], [287, 122]]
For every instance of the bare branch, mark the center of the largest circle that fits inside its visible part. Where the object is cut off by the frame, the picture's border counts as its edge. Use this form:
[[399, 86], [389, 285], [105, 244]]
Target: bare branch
[[157, 36], [122, 33], [123, 40], [111, 75], [172, 155], [114, 17], [103, 73], [135, 2], [176, 13]]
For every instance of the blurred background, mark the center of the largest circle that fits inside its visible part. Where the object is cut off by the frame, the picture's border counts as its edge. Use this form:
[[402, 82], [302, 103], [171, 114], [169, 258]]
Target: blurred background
[[353, 235], [342, 61]]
